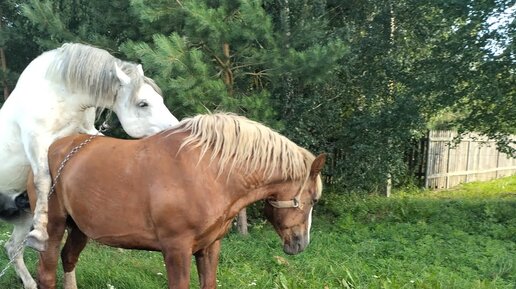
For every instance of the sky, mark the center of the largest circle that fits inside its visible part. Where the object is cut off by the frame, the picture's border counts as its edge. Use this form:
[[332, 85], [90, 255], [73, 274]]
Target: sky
[[501, 23]]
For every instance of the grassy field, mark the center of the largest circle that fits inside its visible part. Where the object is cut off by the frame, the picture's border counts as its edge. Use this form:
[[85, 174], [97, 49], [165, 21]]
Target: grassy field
[[461, 238]]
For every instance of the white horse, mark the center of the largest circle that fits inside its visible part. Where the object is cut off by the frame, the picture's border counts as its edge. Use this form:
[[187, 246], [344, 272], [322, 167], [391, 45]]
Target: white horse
[[56, 96]]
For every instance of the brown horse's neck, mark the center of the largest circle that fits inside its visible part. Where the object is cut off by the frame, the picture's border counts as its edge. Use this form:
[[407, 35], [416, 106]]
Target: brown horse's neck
[[254, 189]]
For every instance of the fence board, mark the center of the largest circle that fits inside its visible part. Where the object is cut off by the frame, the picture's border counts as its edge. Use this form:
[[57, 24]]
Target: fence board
[[475, 158]]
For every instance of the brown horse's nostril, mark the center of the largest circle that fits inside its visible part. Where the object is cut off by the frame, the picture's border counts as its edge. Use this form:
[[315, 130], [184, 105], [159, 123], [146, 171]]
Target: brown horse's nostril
[[295, 244]]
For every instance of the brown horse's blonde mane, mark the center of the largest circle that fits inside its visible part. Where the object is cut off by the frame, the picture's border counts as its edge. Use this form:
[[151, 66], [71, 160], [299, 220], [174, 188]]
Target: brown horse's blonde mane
[[238, 142]]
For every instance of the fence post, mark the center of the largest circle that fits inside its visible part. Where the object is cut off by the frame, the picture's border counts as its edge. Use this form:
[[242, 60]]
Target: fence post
[[448, 164], [242, 222], [388, 186], [497, 163], [427, 158], [467, 160]]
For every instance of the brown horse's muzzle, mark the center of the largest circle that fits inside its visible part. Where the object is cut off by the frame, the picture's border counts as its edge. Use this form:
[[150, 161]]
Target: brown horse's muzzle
[[293, 231], [295, 242]]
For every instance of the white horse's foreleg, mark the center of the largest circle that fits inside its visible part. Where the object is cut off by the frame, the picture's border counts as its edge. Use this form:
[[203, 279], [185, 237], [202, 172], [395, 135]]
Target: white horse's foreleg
[[15, 250], [88, 124], [38, 237], [38, 157]]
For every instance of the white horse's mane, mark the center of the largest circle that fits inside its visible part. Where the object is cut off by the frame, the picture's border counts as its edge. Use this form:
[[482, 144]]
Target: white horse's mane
[[91, 70], [241, 143]]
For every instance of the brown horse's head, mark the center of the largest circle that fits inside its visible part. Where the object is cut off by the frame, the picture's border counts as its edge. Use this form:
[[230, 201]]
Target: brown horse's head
[[290, 210]]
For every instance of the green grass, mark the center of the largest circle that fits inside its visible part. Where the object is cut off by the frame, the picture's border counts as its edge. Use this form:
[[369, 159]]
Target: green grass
[[460, 238]]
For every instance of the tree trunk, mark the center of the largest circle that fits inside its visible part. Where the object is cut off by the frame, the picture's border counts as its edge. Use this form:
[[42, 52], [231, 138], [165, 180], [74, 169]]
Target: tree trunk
[[390, 87], [242, 222], [289, 87], [228, 74], [228, 81], [3, 63], [388, 186]]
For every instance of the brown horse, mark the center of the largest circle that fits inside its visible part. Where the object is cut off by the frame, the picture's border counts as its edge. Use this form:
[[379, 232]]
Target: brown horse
[[177, 192]]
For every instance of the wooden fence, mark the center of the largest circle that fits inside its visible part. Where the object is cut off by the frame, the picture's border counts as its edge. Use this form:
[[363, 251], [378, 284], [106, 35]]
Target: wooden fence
[[475, 158]]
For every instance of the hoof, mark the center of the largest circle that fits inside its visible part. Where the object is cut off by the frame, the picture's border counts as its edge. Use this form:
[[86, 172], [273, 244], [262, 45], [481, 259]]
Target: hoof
[[37, 240], [29, 285]]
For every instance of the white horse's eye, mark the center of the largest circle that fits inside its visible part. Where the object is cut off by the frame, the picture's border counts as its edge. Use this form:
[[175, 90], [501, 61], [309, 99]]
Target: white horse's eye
[[143, 104]]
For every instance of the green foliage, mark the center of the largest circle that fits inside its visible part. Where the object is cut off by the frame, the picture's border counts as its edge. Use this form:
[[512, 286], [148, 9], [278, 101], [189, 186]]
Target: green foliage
[[184, 74], [191, 65], [102, 23], [15, 35], [408, 62], [359, 80], [228, 55], [460, 69]]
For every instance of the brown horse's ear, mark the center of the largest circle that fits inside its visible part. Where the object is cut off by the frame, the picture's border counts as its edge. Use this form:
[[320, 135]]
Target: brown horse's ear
[[317, 165]]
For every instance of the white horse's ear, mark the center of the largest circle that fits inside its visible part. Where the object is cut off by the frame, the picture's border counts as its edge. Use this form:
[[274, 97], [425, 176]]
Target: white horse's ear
[[124, 78], [140, 69]]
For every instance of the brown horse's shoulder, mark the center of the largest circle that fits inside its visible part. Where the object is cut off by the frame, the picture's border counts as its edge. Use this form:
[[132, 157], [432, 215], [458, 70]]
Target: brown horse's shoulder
[[61, 147]]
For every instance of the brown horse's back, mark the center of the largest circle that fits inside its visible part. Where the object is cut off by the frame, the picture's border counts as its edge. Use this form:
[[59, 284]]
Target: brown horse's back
[[137, 193], [105, 212]]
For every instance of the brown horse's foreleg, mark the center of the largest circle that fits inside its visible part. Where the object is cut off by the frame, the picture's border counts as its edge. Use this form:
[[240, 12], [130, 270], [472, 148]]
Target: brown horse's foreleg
[[178, 262], [207, 261], [73, 247], [48, 259]]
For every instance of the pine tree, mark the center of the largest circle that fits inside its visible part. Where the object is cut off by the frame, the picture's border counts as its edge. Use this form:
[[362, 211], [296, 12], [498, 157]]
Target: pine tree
[[227, 55], [102, 23]]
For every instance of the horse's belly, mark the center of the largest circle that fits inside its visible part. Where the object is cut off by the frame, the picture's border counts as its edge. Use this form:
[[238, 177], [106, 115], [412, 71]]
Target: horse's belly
[[129, 242], [117, 232], [14, 178], [14, 165]]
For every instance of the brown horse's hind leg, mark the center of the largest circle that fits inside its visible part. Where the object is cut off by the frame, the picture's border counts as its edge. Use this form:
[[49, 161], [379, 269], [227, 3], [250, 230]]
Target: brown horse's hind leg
[[73, 247], [207, 261], [48, 259]]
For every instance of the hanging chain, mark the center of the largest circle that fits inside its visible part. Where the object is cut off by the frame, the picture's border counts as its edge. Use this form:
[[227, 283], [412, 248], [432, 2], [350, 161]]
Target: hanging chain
[[66, 159], [103, 128]]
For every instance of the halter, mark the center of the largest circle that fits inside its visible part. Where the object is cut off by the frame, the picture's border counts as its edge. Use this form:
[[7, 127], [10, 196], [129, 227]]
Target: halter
[[294, 203]]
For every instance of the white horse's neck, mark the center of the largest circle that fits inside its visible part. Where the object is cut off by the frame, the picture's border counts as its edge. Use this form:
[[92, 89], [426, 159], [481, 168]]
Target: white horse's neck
[[42, 90]]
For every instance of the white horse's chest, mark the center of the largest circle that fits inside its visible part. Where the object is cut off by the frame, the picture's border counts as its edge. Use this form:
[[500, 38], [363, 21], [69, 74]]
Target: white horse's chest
[[34, 127], [14, 168], [14, 165]]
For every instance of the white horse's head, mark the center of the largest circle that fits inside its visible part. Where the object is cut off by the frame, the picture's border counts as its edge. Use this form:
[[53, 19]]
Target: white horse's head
[[108, 82], [139, 105]]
